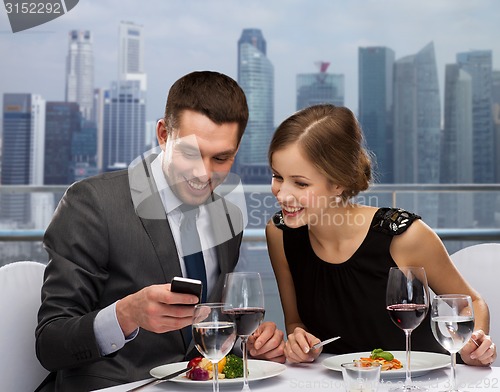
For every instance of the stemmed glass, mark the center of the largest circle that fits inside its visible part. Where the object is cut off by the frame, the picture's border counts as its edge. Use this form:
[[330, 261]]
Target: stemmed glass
[[243, 297], [407, 301], [214, 334], [452, 323]]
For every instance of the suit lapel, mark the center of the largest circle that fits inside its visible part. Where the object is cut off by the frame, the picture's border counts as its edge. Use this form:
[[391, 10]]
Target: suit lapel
[[150, 209]]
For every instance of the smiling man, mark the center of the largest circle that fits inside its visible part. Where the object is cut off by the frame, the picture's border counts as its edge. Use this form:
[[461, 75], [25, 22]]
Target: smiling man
[[116, 241]]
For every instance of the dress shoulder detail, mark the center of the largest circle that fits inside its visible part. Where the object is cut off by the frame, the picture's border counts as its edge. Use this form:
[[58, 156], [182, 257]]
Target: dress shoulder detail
[[393, 221]]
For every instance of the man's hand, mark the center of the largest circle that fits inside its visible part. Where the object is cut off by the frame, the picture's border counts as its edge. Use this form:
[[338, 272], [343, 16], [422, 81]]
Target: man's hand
[[156, 309], [267, 343]]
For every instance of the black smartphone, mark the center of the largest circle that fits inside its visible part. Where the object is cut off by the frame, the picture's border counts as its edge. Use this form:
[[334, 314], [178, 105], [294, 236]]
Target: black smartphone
[[187, 286]]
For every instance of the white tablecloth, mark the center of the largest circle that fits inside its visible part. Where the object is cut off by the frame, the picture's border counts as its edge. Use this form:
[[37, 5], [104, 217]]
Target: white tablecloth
[[315, 376]]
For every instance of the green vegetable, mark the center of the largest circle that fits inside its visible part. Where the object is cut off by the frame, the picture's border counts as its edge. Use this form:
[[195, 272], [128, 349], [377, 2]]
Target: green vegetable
[[379, 353], [233, 367]]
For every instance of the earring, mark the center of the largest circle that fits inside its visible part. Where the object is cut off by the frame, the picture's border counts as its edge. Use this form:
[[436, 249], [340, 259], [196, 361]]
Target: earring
[[338, 199]]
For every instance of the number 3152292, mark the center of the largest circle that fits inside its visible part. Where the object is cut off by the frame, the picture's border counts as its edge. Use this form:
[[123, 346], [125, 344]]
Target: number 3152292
[[33, 8]]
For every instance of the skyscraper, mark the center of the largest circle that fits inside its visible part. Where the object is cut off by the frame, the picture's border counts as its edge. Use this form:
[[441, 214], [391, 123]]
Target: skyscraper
[[375, 73], [256, 77], [478, 64], [456, 148], [98, 119], [62, 122], [417, 117], [320, 87], [22, 151], [495, 97], [131, 53], [124, 116], [124, 123], [80, 72], [84, 151]]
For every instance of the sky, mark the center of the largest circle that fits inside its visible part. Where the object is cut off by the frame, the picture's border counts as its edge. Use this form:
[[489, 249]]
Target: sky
[[186, 35]]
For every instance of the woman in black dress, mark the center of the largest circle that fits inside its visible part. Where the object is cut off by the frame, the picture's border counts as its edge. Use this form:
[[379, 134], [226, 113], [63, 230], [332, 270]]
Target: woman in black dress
[[331, 256]]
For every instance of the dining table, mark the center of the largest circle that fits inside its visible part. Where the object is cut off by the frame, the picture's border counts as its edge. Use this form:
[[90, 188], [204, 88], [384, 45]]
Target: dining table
[[316, 376]]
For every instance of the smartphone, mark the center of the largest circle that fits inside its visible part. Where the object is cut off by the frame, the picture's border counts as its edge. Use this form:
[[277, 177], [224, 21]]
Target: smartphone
[[187, 286]]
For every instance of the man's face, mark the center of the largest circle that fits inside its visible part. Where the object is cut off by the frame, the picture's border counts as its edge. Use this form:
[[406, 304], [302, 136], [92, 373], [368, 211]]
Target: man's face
[[198, 155]]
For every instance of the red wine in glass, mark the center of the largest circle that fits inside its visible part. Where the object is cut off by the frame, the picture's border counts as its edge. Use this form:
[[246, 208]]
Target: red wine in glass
[[247, 319], [407, 302], [243, 297], [407, 316]]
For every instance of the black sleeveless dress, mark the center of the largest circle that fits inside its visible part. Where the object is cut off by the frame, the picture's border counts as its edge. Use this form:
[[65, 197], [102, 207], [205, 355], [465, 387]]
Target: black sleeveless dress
[[348, 299]]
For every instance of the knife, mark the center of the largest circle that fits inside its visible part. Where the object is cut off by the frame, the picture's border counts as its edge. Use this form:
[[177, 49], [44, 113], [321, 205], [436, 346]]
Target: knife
[[159, 380], [321, 344]]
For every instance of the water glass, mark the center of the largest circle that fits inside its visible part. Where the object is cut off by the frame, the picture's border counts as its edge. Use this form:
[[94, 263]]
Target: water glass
[[452, 323], [361, 377], [214, 334]]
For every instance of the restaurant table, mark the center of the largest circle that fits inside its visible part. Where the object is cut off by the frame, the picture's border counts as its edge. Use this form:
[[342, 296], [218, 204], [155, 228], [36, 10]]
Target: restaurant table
[[315, 376]]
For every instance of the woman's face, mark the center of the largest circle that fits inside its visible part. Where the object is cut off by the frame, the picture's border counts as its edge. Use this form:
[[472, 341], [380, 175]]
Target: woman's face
[[304, 194]]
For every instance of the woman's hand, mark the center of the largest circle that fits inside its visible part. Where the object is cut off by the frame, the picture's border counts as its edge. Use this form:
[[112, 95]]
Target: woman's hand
[[482, 355], [298, 347]]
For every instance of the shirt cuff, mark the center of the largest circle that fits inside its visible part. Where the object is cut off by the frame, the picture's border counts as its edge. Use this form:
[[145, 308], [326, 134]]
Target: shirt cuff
[[108, 333]]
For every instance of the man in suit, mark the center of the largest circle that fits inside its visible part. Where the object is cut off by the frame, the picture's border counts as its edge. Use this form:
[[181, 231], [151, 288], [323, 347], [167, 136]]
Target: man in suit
[[114, 244]]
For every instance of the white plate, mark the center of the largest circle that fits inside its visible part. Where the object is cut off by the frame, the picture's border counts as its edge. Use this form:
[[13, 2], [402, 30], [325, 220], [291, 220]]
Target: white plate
[[258, 370], [421, 362]]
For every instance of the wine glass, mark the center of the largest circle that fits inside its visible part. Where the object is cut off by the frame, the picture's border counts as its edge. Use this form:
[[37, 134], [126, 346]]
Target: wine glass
[[407, 301], [452, 323], [243, 297], [214, 334]]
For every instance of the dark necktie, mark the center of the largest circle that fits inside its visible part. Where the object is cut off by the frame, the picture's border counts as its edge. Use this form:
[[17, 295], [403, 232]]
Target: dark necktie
[[191, 247]]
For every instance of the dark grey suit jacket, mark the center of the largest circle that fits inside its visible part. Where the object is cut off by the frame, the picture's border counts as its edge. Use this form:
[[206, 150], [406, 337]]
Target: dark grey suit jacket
[[101, 250]]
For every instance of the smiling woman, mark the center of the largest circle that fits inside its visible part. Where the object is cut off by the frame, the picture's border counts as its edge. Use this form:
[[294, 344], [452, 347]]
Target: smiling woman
[[342, 265]]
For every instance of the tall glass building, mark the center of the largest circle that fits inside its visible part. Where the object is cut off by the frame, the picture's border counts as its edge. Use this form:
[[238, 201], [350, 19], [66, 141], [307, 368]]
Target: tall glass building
[[375, 89], [456, 148], [417, 119], [124, 123], [124, 113], [22, 152], [256, 77], [62, 122], [478, 64], [320, 87], [80, 72], [495, 97], [131, 53]]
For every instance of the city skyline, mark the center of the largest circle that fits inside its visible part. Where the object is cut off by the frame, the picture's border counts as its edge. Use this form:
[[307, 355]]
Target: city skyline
[[183, 36]]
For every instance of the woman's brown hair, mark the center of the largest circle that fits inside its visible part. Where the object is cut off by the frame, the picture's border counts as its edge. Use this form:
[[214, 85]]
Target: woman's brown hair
[[331, 138]]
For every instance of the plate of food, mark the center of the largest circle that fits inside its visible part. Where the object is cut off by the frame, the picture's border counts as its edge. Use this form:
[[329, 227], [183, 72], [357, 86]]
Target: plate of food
[[230, 372], [421, 362]]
